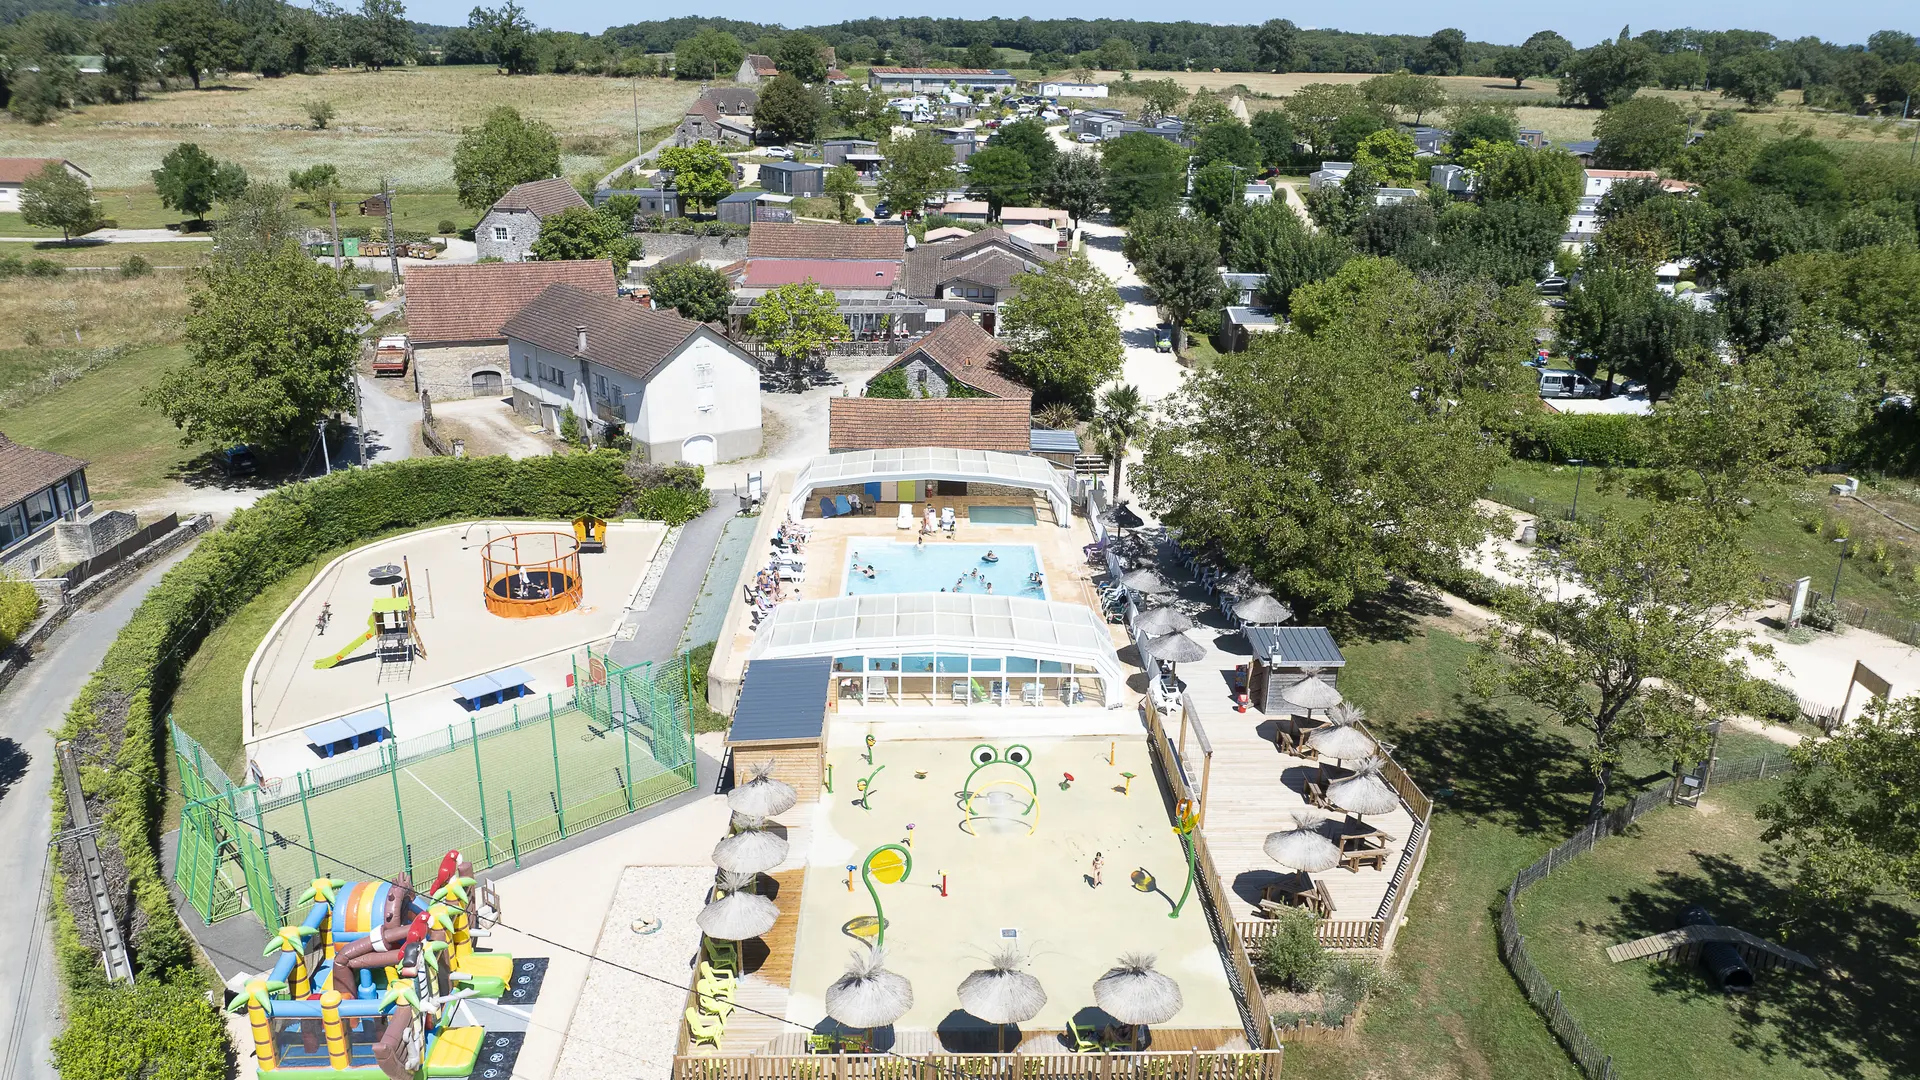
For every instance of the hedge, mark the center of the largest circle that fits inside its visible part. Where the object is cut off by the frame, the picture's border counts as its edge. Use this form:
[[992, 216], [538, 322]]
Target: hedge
[[1606, 440], [118, 714], [19, 605]]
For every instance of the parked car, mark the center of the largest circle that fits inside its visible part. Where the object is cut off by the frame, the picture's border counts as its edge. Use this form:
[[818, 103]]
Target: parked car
[[883, 211], [1163, 338], [1567, 384], [1553, 286], [863, 221], [780, 152], [1089, 137], [237, 460]]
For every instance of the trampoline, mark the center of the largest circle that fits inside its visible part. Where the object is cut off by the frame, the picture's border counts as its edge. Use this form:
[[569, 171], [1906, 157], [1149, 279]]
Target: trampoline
[[527, 575]]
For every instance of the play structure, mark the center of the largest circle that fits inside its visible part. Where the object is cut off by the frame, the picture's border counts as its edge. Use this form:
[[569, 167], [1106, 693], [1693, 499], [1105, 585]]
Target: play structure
[[393, 627], [527, 575], [369, 985], [1007, 800], [1729, 955], [591, 533]]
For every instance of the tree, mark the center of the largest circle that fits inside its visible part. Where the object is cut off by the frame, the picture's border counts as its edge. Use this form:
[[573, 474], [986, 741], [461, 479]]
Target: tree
[[191, 181], [1311, 462], [1228, 140], [865, 110], [129, 55], [1144, 172], [1158, 98], [1640, 133], [273, 346], [795, 321], [695, 290], [1077, 185], [701, 173], [1030, 139], [1342, 209], [1608, 73], [1550, 177], [255, 223], [1274, 132], [320, 113], [1755, 78], [382, 36], [982, 54], [1120, 419], [1803, 170], [1316, 109], [506, 149], [507, 35], [582, 233], [1117, 54], [918, 167], [1217, 189], [1681, 70], [1445, 53], [1205, 109], [841, 184], [1403, 92], [707, 54], [1000, 177], [1616, 320], [1391, 155], [802, 56], [1545, 53], [1178, 258], [1271, 239], [320, 183], [1761, 305], [1727, 439], [194, 35], [1844, 815], [1474, 123], [1726, 151], [1276, 40], [1063, 332], [1639, 652], [789, 110], [54, 198]]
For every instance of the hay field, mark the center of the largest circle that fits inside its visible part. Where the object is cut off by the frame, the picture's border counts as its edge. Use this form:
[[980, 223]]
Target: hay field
[[402, 122], [106, 309], [1282, 84]]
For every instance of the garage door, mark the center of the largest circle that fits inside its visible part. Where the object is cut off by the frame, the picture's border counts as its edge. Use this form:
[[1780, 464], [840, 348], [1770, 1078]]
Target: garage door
[[487, 384], [697, 450]]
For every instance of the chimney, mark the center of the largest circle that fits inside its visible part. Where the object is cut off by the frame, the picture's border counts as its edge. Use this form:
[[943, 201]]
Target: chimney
[[581, 346]]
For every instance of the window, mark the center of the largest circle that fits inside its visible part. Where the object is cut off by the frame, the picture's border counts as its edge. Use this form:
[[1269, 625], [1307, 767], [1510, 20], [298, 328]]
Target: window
[[39, 509], [79, 482], [499, 232], [600, 385], [703, 375], [13, 525], [62, 499]]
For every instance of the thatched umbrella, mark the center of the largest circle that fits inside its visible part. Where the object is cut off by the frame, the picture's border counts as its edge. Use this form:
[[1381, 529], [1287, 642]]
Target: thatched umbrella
[[1261, 609], [762, 796], [1175, 649], [1302, 847], [868, 995], [1001, 993], [739, 914], [1311, 693], [1163, 620], [1341, 740], [1132, 992], [752, 850], [1146, 580], [1121, 516], [1364, 792]]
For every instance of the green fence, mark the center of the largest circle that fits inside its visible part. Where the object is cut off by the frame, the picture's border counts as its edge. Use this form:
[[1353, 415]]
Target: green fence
[[502, 784]]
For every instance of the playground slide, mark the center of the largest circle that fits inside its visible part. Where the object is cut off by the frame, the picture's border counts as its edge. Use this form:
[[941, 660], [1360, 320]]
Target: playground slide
[[326, 662]]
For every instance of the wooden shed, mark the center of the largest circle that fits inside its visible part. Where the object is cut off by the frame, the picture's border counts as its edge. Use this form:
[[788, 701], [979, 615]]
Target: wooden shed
[[781, 716], [1284, 655]]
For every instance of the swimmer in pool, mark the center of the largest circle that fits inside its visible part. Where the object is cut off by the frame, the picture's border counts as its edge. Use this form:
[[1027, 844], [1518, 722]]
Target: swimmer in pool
[[989, 588], [989, 556]]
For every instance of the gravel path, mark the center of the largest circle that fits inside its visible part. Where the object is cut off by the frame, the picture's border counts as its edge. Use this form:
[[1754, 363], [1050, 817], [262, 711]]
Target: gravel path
[[626, 1027]]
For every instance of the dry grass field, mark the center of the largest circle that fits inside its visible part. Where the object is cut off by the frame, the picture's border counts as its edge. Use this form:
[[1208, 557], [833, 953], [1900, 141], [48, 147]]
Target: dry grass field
[[402, 123], [105, 309]]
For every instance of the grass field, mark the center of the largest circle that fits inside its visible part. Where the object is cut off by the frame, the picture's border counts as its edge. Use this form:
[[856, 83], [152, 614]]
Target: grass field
[[1662, 1020], [133, 451], [401, 123], [1506, 787], [179, 253], [38, 316]]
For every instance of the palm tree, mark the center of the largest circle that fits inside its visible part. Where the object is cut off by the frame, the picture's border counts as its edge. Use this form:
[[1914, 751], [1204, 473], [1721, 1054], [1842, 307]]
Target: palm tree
[[1120, 419]]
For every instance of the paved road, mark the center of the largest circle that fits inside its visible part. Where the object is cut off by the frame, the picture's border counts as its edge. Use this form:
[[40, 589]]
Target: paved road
[[29, 709], [659, 626], [120, 236], [390, 422]]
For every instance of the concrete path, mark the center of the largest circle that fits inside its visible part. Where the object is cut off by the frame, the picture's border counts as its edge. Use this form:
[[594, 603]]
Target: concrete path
[[658, 628], [390, 423], [30, 709], [118, 236], [1157, 374]]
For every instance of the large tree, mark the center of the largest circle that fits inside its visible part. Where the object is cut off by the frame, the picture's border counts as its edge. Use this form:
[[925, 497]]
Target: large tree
[[506, 149], [789, 110], [1545, 53], [507, 36], [1117, 424], [1230, 141], [1271, 239], [700, 173], [54, 198], [1847, 813], [1144, 172], [1178, 257], [1391, 155], [1640, 133], [1218, 190], [865, 110], [1607, 73], [1274, 132], [1001, 177], [1405, 93], [918, 168], [191, 181], [381, 36], [273, 346], [709, 54], [583, 233], [795, 322], [1030, 139], [1623, 630], [1063, 332], [1551, 177], [1755, 78], [842, 183], [255, 223], [695, 290], [802, 56], [1078, 184], [1617, 320], [1276, 40], [195, 36]]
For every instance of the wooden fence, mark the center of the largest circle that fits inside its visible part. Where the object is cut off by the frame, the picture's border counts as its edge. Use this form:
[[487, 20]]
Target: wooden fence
[[1145, 1065], [118, 553]]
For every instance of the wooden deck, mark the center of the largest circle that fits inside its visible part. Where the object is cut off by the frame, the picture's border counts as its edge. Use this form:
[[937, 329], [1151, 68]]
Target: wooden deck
[[767, 963]]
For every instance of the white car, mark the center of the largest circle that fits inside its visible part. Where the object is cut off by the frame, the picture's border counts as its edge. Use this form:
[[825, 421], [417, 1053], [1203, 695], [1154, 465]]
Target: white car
[[780, 152], [1089, 137]]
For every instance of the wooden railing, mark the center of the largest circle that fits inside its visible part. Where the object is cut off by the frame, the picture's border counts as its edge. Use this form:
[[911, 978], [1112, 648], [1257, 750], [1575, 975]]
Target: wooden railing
[[1333, 933], [1154, 1064]]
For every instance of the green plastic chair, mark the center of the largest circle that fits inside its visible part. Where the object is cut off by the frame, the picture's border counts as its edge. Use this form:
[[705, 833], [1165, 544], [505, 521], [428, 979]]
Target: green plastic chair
[[722, 954], [1082, 1042]]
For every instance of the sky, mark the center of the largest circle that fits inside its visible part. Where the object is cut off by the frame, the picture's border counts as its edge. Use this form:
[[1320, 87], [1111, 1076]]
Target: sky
[[1502, 21]]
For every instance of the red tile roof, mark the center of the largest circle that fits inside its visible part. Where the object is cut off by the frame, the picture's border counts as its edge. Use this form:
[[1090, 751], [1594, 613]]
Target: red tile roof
[[25, 470], [762, 65], [957, 423], [446, 304], [18, 170], [933, 71], [1624, 174], [826, 273], [969, 354], [811, 240], [543, 198], [621, 334]]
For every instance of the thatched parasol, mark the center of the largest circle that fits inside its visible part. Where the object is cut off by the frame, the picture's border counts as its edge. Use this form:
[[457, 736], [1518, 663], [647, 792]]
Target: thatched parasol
[[1174, 649], [1311, 693], [1364, 792], [1302, 847], [1134, 993], [1261, 609], [762, 796], [1121, 516], [1341, 740], [739, 914], [752, 850], [1163, 620], [868, 995], [1146, 580], [1001, 993]]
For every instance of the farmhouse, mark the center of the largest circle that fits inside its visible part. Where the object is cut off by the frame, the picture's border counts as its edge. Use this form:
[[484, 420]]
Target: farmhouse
[[513, 224], [455, 314], [16, 171]]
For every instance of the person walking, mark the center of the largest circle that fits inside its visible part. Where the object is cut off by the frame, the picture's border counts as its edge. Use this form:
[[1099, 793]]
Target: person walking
[[1099, 864]]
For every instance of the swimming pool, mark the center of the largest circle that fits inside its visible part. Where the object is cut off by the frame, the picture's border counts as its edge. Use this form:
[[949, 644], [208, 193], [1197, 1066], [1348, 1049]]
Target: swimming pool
[[905, 568]]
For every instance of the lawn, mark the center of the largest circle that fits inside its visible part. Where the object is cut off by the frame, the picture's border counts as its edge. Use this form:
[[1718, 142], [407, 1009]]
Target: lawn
[[1662, 1020], [1507, 787], [133, 451], [401, 123], [178, 253]]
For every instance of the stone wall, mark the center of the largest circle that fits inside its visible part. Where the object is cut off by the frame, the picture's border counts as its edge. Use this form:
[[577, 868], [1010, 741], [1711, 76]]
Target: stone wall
[[719, 248], [34, 557], [94, 534], [446, 371], [924, 379], [522, 229]]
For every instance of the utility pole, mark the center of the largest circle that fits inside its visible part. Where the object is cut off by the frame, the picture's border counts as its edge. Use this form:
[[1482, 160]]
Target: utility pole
[[324, 459], [333, 215], [393, 253], [359, 423]]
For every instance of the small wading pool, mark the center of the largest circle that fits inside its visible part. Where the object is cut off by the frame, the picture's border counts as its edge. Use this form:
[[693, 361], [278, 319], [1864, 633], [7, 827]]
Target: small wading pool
[[938, 565], [1002, 515]]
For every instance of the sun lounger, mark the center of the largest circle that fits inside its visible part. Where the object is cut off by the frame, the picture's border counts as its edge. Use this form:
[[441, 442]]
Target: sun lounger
[[1030, 693], [905, 520], [704, 1028], [960, 693], [841, 506], [826, 508]]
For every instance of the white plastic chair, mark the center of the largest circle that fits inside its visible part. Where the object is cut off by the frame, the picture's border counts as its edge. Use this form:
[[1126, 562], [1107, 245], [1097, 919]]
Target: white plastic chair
[[876, 688], [905, 520], [946, 518], [1030, 693], [960, 693]]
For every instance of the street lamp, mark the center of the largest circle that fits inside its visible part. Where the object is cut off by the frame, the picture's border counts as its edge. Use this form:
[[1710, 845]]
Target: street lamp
[[1833, 597], [1579, 469]]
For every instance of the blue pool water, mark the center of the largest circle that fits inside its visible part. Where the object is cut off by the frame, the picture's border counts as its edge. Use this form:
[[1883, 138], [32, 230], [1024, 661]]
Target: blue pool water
[[904, 568]]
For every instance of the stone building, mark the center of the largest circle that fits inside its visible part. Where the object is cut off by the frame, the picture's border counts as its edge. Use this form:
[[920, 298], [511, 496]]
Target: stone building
[[454, 316], [513, 224]]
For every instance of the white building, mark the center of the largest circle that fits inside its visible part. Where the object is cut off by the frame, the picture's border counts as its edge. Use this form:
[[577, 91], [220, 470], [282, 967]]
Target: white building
[[15, 172], [1057, 90], [678, 388], [1601, 181], [1329, 173]]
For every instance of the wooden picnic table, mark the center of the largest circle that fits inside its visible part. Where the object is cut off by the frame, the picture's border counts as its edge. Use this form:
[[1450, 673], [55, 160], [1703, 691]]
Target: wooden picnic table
[[1363, 837], [1298, 889]]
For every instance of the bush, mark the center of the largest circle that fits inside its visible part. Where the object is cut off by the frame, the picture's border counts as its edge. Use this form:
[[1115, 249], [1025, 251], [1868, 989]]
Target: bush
[[11, 266], [1770, 702], [44, 268], [1293, 958], [319, 113], [570, 429], [889, 384], [157, 1030], [135, 266], [19, 606], [699, 660], [448, 227], [671, 504], [1604, 441], [1821, 614]]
